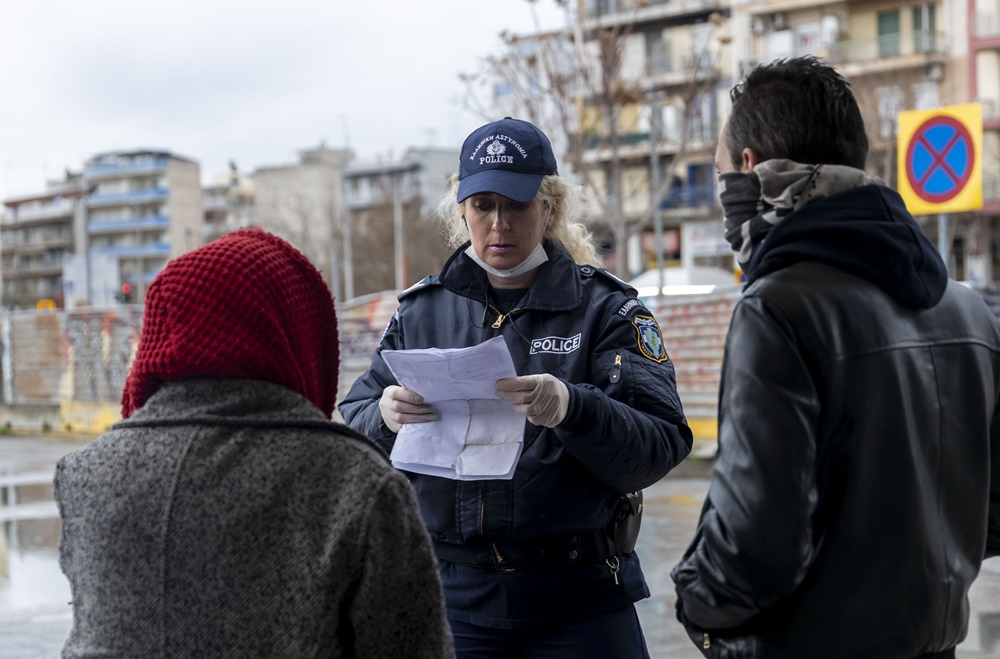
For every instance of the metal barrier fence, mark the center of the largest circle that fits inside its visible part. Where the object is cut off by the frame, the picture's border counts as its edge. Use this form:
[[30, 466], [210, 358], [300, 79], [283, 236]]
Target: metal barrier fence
[[75, 361], [58, 357], [694, 334]]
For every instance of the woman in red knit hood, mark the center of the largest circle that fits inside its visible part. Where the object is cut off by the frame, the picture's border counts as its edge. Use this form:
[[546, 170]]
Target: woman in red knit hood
[[248, 305], [227, 515]]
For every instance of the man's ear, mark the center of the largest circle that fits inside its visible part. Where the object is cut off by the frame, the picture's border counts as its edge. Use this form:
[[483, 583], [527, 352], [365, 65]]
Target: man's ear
[[750, 160]]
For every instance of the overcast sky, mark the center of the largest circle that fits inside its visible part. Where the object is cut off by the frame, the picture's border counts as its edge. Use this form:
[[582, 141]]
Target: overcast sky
[[251, 81]]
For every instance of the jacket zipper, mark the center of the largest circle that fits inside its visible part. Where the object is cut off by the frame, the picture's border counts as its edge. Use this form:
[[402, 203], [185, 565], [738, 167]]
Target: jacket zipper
[[496, 552], [501, 316], [482, 523], [482, 508], [707, 642], [616, 370]]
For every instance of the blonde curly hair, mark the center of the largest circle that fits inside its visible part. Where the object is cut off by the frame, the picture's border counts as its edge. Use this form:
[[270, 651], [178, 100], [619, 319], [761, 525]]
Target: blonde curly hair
[[567, 204]]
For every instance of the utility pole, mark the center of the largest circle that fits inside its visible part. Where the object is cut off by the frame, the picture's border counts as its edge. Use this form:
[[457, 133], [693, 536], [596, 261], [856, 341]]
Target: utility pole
[[397, 221], [654, 189], [346, 221], [943, 246]]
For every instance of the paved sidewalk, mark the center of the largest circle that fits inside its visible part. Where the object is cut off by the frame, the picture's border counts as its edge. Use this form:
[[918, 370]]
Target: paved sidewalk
[[35, 617]]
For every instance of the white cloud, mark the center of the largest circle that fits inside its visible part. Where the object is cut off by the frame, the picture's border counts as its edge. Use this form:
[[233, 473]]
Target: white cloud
[[251, 81]]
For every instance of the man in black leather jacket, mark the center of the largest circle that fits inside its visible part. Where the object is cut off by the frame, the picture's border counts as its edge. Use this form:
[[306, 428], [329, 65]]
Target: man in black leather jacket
[[857, 487]]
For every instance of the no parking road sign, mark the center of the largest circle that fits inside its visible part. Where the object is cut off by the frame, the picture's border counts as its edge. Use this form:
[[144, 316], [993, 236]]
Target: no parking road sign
[[940, 159]]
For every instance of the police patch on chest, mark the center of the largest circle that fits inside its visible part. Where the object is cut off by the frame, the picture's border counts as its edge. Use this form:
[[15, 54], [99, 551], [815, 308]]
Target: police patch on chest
[[650, 339], [556, 344]]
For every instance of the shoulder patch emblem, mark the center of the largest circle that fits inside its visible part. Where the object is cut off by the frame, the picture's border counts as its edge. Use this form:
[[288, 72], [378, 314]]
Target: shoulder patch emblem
[[650, 339]]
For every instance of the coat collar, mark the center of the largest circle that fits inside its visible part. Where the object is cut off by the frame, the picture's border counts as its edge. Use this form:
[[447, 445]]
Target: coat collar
[[224, 400]]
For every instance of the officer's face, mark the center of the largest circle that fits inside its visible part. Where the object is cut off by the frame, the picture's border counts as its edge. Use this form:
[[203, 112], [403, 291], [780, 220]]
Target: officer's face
[[504, 232]]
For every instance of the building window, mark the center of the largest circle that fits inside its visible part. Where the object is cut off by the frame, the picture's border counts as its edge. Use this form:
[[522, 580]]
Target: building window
[[657, 53], [807, 38], [923, 28], [890, 104], [925, 95], [888, 33]]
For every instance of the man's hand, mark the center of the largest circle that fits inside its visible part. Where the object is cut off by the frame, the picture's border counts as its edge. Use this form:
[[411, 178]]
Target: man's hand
[[544, 399], [400, 406]]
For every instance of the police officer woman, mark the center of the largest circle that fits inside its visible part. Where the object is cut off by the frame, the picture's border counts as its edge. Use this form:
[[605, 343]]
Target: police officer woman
[[536, 566]]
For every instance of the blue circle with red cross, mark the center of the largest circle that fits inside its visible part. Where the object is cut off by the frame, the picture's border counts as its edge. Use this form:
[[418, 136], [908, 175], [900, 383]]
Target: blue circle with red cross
[[939, 159]]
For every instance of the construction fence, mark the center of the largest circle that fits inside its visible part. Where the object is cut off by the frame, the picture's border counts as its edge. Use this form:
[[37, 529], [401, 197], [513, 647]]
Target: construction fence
[[64, 369]]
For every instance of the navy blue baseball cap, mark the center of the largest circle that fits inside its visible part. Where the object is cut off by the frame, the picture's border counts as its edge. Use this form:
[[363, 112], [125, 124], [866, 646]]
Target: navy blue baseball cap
[[507, 157]]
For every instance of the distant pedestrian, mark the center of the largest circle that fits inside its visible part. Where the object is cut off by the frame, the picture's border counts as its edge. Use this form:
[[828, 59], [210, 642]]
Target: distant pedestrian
[[541, 565], [857, 486], [227, 516]]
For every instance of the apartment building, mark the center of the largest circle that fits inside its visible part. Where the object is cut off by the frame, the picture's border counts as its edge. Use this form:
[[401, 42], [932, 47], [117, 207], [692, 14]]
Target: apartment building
[[653, 77], [679, 58], [392, 205], [301, 203], [901, 55], [144, 208], [229, 203], [981, 245], [37, 233]]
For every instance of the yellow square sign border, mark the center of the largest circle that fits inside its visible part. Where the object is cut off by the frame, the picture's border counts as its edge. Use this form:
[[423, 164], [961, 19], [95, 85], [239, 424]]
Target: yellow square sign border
[[970, 115]]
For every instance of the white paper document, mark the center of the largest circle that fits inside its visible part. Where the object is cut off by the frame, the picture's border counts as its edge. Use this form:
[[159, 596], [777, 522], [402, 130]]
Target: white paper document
[[478, 436]]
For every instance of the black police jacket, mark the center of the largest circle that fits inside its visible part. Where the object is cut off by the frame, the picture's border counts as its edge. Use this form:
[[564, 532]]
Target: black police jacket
[[857, 486], [624, 429]]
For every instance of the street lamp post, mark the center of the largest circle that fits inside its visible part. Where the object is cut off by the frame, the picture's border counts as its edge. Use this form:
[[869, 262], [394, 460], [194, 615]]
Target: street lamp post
[[397, 221], [654, 186]]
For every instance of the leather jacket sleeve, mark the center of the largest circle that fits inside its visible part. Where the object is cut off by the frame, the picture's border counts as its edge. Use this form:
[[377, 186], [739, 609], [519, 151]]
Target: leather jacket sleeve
[[754, 540], [627, 427], [993, 526]]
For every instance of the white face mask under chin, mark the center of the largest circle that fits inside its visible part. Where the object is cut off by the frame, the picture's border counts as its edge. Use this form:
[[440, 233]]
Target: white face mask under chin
[[535, 259]]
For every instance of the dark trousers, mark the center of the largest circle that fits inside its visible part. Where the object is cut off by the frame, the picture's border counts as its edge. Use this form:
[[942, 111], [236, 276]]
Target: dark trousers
[[612, 635]]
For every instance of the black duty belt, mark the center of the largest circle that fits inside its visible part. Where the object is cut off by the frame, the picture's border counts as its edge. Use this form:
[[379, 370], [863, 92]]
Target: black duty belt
[[509, 555]]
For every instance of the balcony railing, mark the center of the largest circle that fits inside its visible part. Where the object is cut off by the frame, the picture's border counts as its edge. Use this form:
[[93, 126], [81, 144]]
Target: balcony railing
[[921, 42], [151, 249], [690, 196], [146, 196], [36, 246], [685, 64], [32, 271], [987, 24], [125, 168], [610, 12], [55, 210], [594, 141], [131, 224]]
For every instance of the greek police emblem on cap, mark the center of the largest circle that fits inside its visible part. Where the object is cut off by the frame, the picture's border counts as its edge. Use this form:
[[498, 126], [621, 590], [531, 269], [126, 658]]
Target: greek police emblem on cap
[[650, 339]]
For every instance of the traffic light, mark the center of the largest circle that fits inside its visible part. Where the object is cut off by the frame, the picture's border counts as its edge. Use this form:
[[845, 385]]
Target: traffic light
[[125, 294]]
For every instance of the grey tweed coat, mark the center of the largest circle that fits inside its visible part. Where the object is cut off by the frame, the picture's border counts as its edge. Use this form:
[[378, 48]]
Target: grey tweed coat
[[230, 518]]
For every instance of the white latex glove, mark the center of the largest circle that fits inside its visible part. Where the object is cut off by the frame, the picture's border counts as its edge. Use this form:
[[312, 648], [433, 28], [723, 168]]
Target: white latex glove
[[544, 399], [400, 406]]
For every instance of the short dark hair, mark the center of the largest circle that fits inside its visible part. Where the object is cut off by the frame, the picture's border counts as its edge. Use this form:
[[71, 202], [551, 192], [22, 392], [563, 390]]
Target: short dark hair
[[800, 109]]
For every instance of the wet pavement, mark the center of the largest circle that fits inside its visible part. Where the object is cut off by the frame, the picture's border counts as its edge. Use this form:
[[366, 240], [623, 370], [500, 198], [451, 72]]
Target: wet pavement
[[35, 616]]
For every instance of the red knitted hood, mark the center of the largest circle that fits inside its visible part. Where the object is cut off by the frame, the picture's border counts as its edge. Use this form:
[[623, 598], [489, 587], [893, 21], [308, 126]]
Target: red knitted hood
[[247, 305]]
